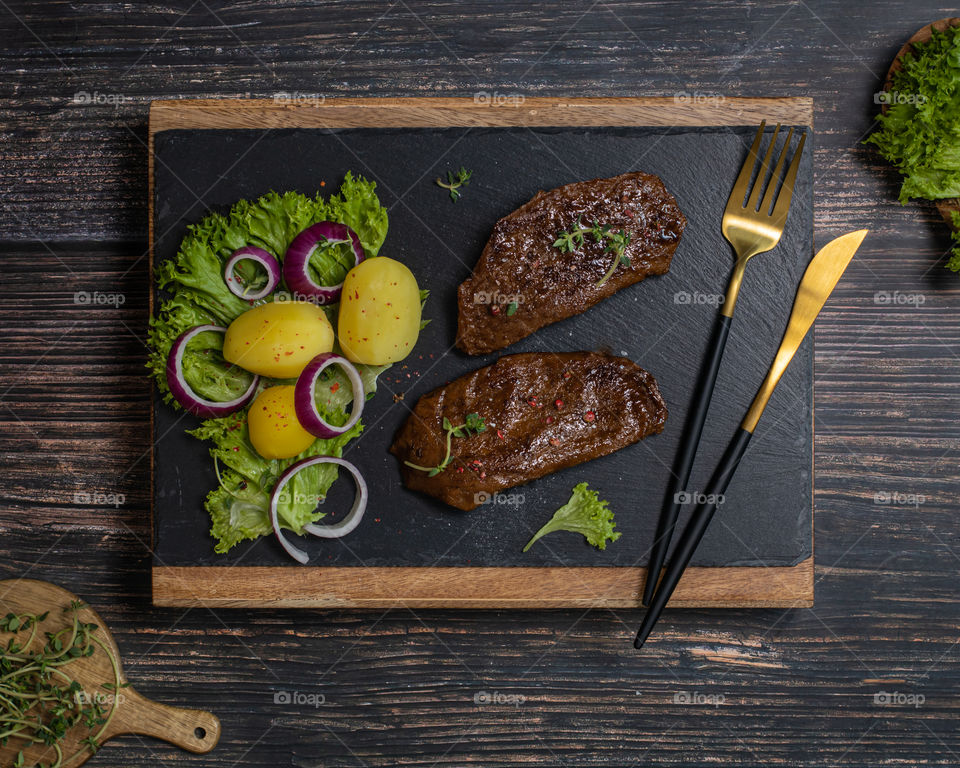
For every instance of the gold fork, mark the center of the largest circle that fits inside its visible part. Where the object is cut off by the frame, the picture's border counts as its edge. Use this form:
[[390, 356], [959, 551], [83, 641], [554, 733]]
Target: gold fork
[[751, 228]]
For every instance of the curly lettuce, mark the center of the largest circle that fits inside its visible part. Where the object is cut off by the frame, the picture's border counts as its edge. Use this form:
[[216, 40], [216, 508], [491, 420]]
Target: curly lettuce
[[920, 130], [239, 507], [953, 263], [586, 514]]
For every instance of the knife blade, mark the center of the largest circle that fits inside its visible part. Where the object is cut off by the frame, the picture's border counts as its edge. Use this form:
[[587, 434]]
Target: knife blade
[[822, 275]]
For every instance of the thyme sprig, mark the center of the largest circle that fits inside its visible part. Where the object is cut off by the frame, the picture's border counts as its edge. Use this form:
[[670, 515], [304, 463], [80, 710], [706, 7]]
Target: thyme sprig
[[39, 700], [571, 240], [472, 425], [454, 182]]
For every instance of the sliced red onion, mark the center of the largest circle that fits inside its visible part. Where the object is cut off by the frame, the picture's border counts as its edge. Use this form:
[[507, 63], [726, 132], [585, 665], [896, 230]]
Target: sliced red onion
[[304, 396], [334, 531], [296, 262], [265, 259], [184, 393]]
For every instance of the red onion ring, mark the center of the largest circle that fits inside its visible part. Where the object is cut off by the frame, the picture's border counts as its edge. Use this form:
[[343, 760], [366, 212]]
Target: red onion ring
[[184, 393], [334, 531], [296, 262], [265, 259], [304, 396]]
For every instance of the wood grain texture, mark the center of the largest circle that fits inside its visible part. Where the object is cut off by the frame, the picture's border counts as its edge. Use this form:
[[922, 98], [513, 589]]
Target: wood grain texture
[[324, 587], [417, 688], [419, 112], [263, 587], [100, 676]]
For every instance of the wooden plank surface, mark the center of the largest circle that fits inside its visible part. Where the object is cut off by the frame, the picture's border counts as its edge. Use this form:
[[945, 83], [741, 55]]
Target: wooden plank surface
[[415, 112], [253, 587], [468, 587], [417, 688]]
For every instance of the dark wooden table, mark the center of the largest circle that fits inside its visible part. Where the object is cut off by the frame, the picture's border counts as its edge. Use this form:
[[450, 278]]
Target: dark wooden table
[[867, 677]]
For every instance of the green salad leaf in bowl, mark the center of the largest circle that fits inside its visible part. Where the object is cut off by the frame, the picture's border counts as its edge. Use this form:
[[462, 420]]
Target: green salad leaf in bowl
[[920, 124]]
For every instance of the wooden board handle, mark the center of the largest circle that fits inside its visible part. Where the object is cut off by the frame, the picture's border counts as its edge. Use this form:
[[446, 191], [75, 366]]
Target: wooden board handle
[[192, 729]]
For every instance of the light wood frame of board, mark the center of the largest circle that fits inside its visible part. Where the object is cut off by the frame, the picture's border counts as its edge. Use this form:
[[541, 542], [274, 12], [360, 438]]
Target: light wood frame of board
[[468, 587]]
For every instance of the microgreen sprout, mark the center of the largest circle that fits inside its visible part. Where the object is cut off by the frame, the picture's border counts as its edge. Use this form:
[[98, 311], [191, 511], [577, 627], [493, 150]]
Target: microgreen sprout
[[41, 702], [455, 181], [472, 425], [570, 241]]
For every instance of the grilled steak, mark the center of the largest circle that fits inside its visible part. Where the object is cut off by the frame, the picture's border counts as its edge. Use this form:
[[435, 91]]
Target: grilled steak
[[522, 282], [543, 412]]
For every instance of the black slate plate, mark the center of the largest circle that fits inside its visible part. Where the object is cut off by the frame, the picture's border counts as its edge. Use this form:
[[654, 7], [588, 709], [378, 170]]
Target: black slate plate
[[662, 323]]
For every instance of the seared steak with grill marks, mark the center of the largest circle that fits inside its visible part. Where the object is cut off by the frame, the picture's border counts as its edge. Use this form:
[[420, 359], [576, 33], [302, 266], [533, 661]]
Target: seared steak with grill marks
[[522, 282], [543, 412]]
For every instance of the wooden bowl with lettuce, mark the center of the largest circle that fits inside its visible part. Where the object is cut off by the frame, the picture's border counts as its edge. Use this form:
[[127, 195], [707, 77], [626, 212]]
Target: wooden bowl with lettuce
[[919, 121]]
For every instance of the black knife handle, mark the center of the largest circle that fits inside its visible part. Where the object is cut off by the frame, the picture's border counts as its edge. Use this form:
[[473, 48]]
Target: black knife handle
[[683, 464], [693, 533]]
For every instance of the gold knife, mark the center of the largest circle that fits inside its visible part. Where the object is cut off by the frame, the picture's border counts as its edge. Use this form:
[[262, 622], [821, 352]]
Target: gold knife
[[822, 275]]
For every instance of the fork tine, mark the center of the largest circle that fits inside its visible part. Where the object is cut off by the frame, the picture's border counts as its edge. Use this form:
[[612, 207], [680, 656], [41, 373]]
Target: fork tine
[[772, 186], [739, 191], [762, 175], [786, 191]]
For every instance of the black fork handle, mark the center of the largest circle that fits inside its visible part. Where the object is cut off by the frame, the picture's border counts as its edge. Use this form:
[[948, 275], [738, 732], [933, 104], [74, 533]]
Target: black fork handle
[[690, 538], [683, 464]]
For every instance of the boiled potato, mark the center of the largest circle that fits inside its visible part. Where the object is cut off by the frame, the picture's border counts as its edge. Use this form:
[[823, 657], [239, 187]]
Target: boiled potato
[[278, 339], [274, 429], [379, 312]]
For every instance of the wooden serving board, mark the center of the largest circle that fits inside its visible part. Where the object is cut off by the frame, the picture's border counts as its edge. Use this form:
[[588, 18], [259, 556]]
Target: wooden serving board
[[411, 551], [128, 711]]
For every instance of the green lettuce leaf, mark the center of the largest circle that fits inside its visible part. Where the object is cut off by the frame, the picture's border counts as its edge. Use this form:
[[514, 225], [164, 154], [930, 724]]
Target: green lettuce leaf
[[240, 507], [208, 374], [357, 206], [953, 263], [176, 315], [920, 131], [586, 514]]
